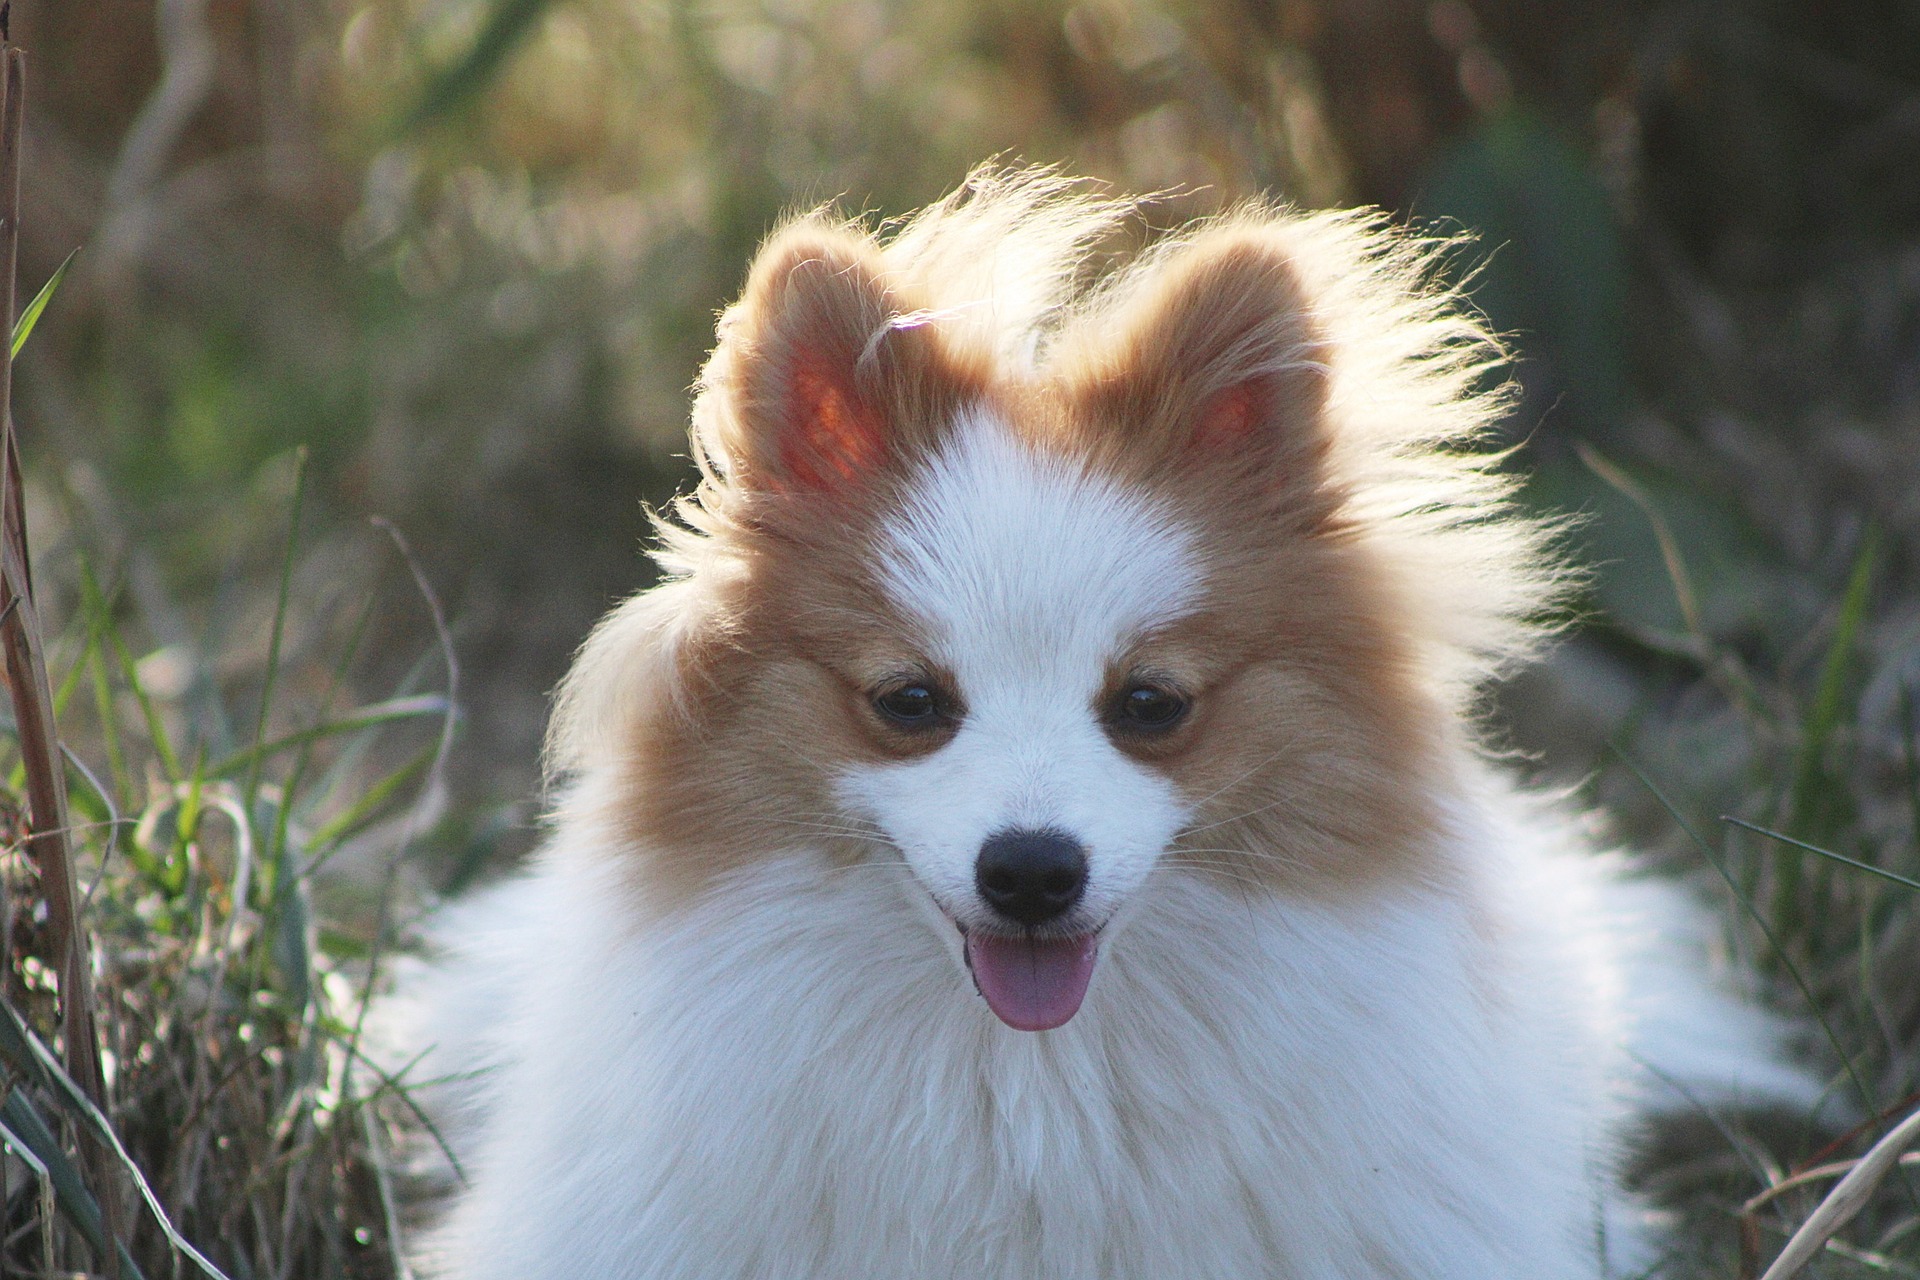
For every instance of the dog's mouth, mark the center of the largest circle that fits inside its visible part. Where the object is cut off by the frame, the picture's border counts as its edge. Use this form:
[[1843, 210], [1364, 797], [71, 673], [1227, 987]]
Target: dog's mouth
[[1031, 983]]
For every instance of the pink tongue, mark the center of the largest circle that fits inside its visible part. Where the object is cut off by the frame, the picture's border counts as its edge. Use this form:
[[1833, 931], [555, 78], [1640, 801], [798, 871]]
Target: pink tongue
[[1032, 985]]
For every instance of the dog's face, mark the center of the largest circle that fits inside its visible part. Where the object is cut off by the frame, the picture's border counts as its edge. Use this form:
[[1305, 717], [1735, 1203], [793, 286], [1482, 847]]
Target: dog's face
[[1025, 704], [1036, 637]]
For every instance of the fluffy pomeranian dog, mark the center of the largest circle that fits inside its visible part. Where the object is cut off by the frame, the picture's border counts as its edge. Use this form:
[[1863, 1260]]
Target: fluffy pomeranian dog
[[1037, 829]]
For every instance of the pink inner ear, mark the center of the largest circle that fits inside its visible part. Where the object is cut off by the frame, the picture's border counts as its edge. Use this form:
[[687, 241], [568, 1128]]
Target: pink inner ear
[[1229, 419], [830, 437]]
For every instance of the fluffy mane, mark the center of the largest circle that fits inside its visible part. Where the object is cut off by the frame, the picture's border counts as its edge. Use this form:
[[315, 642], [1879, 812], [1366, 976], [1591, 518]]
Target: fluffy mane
[[1006, 271], [1035, 828]]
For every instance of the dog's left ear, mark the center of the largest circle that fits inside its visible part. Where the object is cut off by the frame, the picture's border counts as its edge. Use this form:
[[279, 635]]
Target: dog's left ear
[[824, 377], [1216, 367]]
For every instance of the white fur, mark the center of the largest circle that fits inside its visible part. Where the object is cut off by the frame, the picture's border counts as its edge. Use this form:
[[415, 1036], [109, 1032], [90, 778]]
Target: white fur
[[1028, 636], [796, 1081], [794, 1078]]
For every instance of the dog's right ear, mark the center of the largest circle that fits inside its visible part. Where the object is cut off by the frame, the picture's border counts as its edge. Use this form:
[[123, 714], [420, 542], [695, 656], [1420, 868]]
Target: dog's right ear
[[824, 376]]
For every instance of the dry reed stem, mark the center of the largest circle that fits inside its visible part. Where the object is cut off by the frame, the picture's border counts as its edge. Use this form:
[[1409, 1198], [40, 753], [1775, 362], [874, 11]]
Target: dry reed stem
[[12, 104], [32, 695], [1845, 1200]]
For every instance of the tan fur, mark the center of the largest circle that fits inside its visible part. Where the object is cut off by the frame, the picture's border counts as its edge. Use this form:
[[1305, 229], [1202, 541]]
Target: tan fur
[[1294, 387], [1206, 379]]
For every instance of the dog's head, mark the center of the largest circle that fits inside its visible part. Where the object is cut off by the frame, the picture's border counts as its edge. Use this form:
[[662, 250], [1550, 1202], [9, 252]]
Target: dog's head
[[1158, 594]]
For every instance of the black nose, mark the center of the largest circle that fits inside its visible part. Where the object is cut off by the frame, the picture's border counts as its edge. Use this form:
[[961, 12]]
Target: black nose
[[1031, 876]]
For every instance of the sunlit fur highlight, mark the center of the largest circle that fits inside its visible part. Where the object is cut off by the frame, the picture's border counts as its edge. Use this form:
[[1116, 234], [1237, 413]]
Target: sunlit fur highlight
[[994, 265], [1382, 494], [1360, 1009], [1410, 389]]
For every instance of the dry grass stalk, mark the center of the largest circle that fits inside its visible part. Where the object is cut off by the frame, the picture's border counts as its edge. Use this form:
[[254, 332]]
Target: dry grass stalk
[[1845, 1201], [32, 694]]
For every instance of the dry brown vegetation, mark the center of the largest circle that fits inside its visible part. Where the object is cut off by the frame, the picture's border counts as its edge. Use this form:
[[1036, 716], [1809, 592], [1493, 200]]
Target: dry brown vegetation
[[468, 255]]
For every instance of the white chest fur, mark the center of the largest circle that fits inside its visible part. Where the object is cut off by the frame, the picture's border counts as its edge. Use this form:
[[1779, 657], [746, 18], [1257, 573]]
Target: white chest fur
[[796, 1081]]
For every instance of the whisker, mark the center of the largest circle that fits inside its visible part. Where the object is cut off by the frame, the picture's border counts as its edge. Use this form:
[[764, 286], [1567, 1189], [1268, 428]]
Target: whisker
[[1261, 855], [1235, 781], [1223, 869], [825, 815], [848, 833], [1237, 817], [872, 864], [832, 828]]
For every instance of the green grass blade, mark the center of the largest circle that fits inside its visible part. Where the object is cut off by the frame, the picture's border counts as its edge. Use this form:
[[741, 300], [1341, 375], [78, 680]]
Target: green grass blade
[[100, 621], [156, 728], [290, 791], [27, 1130], [252, 789], [12, 1144], [23, 327], [1817, 802], [109, 724], [1725, 672], [76, 673], [395, 1083], [20, 1045], [1823, 717], [370, 716], [342, 776], [1868, 867], [90, 804], [17, 1048], [21, 1148], [1759, 918], [364, 810], [187, 830], [1676, 565]]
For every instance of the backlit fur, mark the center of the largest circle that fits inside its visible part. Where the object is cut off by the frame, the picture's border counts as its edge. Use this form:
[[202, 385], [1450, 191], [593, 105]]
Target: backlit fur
[[1360, 1010]]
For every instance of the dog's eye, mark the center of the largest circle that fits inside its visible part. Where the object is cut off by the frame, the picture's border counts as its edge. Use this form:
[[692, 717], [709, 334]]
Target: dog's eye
[[1148, 706], [912, 704]]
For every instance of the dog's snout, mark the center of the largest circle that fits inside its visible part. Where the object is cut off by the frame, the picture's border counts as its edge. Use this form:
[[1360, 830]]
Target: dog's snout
[[1031, 876]]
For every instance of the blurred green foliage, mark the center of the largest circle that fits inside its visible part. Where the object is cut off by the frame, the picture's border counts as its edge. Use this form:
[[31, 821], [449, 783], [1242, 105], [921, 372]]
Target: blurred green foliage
[[468, 253]]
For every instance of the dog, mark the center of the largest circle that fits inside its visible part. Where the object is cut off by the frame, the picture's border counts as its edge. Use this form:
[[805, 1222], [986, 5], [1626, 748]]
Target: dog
[[1038, 826]]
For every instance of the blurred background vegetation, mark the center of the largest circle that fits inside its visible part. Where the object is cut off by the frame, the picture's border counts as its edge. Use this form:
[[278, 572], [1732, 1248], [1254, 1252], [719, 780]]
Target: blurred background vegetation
[[469, 252]]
